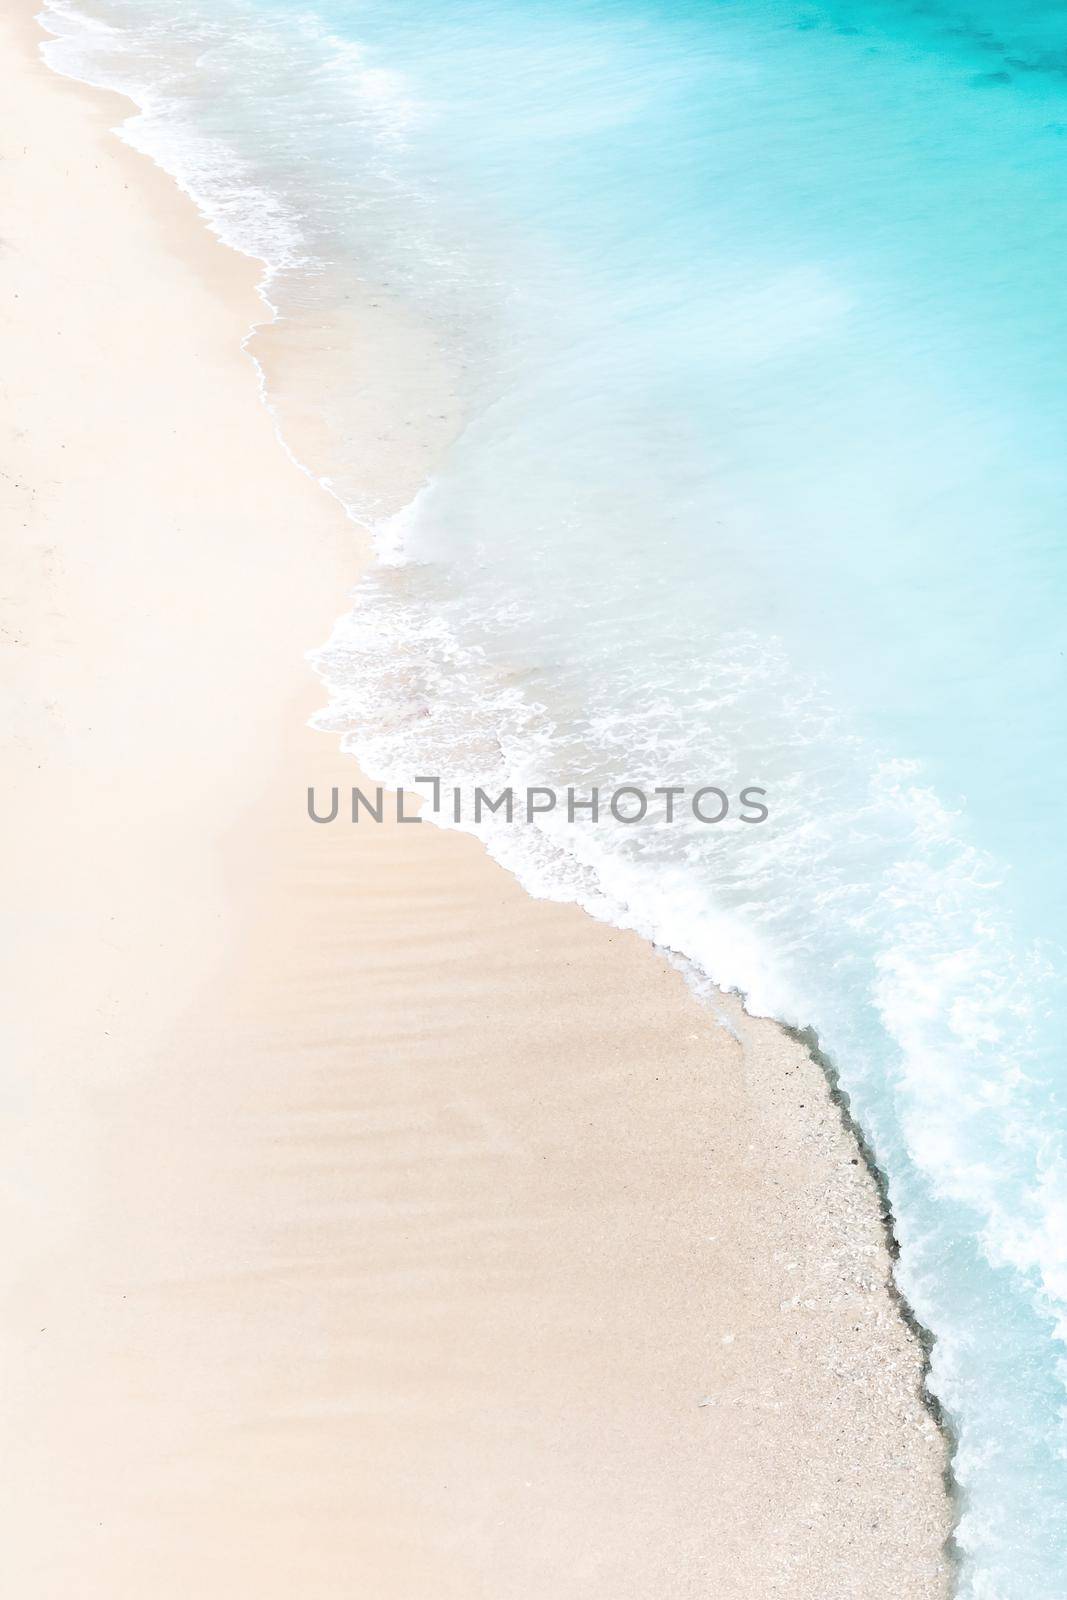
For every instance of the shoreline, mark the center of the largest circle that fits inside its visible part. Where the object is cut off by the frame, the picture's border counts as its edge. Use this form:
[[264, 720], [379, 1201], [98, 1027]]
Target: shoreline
[[808, 1040], [224, 1192]]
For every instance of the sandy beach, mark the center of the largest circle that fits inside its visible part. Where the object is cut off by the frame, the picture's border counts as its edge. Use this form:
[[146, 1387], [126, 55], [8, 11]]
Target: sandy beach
[[369, 1227]]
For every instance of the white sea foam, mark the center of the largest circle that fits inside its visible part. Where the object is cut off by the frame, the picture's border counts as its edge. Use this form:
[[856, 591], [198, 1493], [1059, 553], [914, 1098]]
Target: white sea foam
[[245, 214]]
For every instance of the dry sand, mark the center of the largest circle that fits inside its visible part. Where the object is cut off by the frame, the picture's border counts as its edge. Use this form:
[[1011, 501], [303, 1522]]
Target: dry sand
[[370, 1229]]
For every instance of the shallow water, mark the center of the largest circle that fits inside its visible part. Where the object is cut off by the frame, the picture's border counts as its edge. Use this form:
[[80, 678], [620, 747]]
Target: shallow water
[[758, 313]]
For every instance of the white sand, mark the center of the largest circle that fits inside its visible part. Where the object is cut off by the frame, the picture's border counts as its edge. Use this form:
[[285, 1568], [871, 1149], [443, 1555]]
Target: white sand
[[370, 1230]]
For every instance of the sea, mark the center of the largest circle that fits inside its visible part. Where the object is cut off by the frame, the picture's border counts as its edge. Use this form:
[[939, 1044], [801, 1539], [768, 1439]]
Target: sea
[[755, 313]]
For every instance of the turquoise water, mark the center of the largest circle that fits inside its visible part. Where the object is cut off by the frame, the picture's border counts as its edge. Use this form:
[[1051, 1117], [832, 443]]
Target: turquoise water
[[759, 317]]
